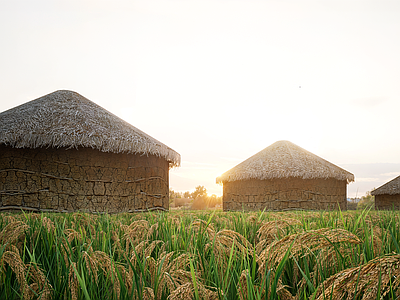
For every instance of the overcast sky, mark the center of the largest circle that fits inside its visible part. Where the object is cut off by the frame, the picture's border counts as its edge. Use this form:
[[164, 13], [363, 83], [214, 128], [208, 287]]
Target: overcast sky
[[220, 80]]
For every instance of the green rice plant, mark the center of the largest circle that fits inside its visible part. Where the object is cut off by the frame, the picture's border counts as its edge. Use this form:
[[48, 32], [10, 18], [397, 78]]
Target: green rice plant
[[203, 255]]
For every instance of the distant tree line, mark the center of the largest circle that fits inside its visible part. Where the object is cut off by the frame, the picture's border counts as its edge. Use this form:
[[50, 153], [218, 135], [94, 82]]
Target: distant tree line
[[366, 201], [198, 199]]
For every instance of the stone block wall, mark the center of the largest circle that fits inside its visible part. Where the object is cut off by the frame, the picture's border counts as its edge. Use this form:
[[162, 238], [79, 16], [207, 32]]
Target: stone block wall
[[81, 179], [284, 194], [387, 202]]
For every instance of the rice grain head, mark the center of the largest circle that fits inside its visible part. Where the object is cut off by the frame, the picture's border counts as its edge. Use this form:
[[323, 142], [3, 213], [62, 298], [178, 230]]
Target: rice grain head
[[135, 233], [9, 219], [127, 279], [49, 225], [380, 273], [183, 292], [108, 267], [18, 267], [199, 225], [91, 264], [72, 234], [187, 291], [309, 242], [153, 229], [13, 232], [269, 230], [41, 285], [73, 281], [242, 286], [225, 239], [148, 294]]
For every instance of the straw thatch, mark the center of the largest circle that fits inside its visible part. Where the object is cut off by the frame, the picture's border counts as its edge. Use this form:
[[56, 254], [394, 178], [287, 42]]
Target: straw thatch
[[67, 119], [62, 152], [284, 176], [387, 196], [390, 188], [284, 159]]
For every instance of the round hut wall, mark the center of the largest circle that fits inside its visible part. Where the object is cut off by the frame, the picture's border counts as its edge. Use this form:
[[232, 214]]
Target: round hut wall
[[81, 179], [387, 202], [284, 194]]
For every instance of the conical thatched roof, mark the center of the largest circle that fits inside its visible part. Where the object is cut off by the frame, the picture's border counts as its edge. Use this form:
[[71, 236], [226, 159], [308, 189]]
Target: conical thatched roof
[[284, 159], [67, 119], [390, 188]]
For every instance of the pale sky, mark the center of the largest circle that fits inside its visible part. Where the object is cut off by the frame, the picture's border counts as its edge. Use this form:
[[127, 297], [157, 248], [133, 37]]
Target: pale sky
[[220, 80]]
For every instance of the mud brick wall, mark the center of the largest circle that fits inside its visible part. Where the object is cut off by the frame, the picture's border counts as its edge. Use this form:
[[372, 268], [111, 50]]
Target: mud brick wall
[[81, 179], [284, 194], [387, 202]]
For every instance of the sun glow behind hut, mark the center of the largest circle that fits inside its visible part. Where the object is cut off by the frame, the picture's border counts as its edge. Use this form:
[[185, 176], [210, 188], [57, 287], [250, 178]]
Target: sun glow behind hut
[[285, 176], [64, 152]]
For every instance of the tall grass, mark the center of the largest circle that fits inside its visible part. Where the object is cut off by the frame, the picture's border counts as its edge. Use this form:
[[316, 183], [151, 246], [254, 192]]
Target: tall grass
[[200, 255]]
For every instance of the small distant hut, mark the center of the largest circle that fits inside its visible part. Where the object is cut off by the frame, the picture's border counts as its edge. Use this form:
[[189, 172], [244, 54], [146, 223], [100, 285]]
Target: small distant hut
[[62, 152], [284, 176], [387, 196]]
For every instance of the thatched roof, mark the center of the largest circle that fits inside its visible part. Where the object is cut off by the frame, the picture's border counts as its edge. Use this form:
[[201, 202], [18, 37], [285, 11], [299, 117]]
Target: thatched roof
[[284, 159], [67, 119], [390, 188]]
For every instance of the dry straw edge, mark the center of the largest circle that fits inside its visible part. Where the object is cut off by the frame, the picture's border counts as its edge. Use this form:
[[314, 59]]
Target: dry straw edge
[[390, 188], [284, 159], [67, 119]]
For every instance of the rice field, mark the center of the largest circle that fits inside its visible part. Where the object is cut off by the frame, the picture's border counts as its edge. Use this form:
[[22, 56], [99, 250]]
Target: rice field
[[200, 255]]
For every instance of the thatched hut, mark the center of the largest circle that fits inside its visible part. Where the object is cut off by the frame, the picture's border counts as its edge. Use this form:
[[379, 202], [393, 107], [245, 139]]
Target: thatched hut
[[284, 176], [387, 196], [62, 152]]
